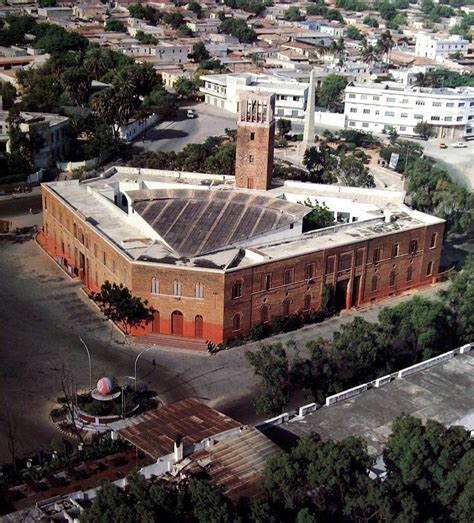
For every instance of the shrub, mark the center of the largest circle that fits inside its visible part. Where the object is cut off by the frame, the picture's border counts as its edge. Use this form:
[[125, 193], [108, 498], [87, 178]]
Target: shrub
[[259, 332]]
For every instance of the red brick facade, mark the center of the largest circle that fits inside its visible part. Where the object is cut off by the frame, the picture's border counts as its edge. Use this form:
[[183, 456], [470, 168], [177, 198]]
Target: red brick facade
[[217, 305], [255, 141]]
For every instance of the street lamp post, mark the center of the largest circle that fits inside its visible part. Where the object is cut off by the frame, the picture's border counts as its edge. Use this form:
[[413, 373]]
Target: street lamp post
[[136, 361], [90, 365]]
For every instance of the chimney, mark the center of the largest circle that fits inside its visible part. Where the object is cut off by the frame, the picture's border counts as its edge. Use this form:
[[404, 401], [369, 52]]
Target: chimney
[[178, 449]]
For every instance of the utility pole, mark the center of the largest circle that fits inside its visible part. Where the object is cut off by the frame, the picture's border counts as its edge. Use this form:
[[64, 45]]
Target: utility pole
[[90, 365]]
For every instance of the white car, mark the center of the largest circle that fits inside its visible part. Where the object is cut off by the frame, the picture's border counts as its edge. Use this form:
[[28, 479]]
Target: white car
[[459, 145], [191, 113]]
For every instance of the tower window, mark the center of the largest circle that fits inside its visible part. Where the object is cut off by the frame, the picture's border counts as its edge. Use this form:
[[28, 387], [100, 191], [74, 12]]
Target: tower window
[[375, 283], [177, 288], [252, 136], [377, 254], [410, 273], [395, 248], [266, 282], [251, 158], [434, 237], [264, 314], [288, 276], [236, 322], [413, 246], [392, 278]]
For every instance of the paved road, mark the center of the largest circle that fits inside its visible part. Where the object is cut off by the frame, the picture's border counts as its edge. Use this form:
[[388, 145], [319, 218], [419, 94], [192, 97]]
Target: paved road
[[173, 136]]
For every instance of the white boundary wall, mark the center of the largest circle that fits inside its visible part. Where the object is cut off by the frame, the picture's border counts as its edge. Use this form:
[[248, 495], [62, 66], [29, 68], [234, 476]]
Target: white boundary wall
[[346, 394], [425, 364]]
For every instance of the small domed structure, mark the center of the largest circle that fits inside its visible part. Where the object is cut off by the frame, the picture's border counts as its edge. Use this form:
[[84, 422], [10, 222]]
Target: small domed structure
[[105, 386]]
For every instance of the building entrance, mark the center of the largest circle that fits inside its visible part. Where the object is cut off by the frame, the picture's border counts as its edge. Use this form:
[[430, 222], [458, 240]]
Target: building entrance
[[341, 293], [177, 323]]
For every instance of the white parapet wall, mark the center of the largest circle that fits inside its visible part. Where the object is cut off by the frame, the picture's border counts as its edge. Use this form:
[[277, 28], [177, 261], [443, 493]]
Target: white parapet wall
[[425, 364], [306, 409], [346, 394], [379, 382], [465, 348]]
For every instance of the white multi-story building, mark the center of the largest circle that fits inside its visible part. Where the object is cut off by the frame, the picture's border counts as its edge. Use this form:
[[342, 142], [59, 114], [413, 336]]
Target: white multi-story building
[[436, 47], [163, 53], [377, 107], [223, 90]]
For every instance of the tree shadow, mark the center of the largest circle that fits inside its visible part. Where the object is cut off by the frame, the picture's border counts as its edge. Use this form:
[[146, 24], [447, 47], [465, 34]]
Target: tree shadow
[[164, 134]]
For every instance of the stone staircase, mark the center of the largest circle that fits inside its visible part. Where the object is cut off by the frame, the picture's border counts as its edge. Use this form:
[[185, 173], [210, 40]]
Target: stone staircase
[[172, 342]]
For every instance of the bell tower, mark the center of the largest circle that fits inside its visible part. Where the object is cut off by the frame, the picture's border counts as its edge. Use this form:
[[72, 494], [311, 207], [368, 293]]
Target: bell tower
[[255, 137]]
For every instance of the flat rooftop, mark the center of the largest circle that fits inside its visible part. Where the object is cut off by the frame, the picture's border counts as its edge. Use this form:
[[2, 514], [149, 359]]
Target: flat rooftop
[[200, 220], [444, 393]]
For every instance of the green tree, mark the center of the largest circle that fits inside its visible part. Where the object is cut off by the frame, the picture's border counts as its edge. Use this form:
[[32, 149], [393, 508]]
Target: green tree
[[270, 363], [209, 505], [354, 173], [239, 29], [199, 53], [392, 135], [284, 126], [119, 305], [184, 87], [173, 19], [424, 129], [293, 14], [354, 33], [319, 217], [77, 84], [320, 162], [184, 31], [54, 39], [41, 90], [161, 102], [8, 95], [421, 327], [196, 8], [102, 142], [460, 298], [371, 21], [115, 25], [331, 92]]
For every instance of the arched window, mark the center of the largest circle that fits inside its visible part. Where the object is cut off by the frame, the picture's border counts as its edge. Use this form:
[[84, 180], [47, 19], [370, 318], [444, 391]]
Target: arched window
[[286, 307], [155, 285], [264, 314], [177, 288], [199, 290], [410, 273], [393, 277], [429, 269], [237, 322], [237, 289], [375, 283], [307, 302]]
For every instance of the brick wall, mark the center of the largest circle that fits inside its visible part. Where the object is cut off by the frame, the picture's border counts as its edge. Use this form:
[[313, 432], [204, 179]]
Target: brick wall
[[281, 285]]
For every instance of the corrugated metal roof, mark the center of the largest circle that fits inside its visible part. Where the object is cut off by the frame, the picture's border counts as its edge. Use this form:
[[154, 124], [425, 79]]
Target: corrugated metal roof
[[196, 222], [155, 431], [236, 464]]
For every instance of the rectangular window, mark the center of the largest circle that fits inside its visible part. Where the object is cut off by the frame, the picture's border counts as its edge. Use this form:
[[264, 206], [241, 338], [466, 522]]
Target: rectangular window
[[459, 119], [390, 99], [392, 278], [377, 254], [404, 115], [448, 119], [345, 262], [252, 136], [437, 104], [309, 271], [366, 111], [376, 98], [403, 128], [237, 289], [95, 250], [435, 118], [251, 158], [104, 259], [352, 96], [434, 237], [266, 282], [413, 247], [418, 117], [420, 102], [395, 250], [429, 269], [359, 257], [353, 110], [449, 104], [389, 113], [461, 104], [374, 284], [114, 267], [330, 265], [288, 276], [365, 124], [405, 101]]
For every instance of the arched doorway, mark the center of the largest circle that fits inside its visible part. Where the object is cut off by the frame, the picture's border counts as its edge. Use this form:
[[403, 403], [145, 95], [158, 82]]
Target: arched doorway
[[198, 326], [177, 323], [155, 325]]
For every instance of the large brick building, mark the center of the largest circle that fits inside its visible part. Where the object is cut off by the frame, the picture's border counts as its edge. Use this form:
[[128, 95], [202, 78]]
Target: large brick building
[[215, 259]]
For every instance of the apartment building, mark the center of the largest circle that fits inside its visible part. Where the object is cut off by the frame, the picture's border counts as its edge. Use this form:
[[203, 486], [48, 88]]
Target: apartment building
[[439, 47], [223, 90], [376, 107], [163, 53]]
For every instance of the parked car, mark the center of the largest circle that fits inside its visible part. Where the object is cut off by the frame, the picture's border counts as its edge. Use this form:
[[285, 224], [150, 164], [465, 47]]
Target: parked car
[[459, 145], [191, 113], [442, 145]]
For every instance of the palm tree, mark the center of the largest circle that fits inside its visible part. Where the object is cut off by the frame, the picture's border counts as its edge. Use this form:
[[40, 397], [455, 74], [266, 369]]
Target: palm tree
[[95, 62], [104, 105], [369, 54], [385, 44]]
